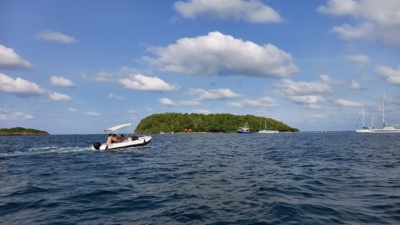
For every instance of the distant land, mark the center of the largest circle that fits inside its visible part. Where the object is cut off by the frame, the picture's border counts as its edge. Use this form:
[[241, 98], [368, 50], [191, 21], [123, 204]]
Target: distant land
[[210, 123], [21, 131]]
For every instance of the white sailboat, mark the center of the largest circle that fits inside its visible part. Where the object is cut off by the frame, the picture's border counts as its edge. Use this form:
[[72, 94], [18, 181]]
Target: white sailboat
[[364, 128], [386, 128], [265, 130]]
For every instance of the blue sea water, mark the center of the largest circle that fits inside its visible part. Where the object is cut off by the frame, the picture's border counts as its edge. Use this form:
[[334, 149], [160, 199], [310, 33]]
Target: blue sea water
[[285, 178]]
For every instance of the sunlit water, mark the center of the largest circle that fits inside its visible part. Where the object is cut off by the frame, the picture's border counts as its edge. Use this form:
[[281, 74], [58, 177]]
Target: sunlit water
[[286, 178]]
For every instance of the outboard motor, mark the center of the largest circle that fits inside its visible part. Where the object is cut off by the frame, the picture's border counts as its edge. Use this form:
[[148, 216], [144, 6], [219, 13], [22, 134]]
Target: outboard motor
[[97, 145]]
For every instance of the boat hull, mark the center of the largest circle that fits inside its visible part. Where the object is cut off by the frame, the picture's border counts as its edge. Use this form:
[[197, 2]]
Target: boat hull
[[125, 144], [268, 131], [244, 132], [386, 130]]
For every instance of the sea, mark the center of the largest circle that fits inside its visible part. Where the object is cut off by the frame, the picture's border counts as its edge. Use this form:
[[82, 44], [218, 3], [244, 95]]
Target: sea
[[285, 178]]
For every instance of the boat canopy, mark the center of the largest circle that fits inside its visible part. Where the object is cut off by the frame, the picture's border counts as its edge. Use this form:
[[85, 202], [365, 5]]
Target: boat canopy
[[114, 128]]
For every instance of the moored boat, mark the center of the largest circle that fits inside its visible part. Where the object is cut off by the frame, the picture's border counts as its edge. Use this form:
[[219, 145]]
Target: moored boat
[[245, 129], [386, 128]]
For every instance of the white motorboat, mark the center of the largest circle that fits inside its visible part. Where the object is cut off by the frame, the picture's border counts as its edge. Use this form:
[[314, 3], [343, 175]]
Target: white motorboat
[[128, 142]]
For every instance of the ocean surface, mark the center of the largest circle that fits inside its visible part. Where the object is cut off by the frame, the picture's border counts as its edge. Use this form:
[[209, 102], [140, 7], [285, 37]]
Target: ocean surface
[[285, 178]]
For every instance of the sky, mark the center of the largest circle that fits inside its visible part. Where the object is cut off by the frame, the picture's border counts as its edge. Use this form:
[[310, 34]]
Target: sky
[[79, 67]]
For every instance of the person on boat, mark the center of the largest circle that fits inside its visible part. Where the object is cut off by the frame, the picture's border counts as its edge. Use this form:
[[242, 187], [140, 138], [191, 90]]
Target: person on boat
[[122, 138], [109, 139], [114, 138]]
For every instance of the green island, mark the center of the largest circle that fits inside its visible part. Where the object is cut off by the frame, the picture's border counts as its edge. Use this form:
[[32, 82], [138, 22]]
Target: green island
[[201, 123], [21, 131]]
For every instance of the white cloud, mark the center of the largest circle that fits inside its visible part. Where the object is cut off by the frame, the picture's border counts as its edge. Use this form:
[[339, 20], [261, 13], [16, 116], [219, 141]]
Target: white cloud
[[249, 103], [11, 60], [4, 115], [59, 97], [61, 81], [212, 94], [355, 85], [112, 96], [219, 54], [145, 83], [72, 110], [92, 114], [251, 11], [55, 36], [166, 101], [19, 86], [169, 102], [306, 99], [290, 87], [375, 19], [346, 103], [347, 31], [392, 76], [358, 58], [305, 92]]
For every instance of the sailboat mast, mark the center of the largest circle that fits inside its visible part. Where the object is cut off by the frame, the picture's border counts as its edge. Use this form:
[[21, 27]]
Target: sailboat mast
[[383, 110], [363, 118]]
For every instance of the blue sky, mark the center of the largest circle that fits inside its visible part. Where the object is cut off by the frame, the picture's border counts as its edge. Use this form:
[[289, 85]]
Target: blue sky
[[78, 67]]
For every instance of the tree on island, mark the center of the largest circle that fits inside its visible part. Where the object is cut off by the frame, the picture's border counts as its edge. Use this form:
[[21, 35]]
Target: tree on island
[[226, 123]]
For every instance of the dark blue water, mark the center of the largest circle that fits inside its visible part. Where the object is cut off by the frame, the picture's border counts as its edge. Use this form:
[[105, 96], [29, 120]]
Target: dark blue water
[[299, 178]]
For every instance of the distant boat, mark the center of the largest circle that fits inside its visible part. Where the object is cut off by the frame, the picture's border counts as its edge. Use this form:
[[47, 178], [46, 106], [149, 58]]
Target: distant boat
[[267, 131], [364, 128], [386, 128], [245, 129]]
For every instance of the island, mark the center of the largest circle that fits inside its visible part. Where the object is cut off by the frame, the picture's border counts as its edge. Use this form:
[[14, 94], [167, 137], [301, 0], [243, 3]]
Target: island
[[210, 123], [21, 131]]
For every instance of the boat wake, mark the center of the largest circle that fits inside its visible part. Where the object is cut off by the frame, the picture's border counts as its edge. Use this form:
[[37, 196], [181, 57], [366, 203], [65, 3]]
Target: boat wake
[[44, 150]]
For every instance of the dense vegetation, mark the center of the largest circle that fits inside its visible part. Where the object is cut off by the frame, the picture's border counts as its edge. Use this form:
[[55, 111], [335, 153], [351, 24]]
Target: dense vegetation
[[227, 123], [21, 131]]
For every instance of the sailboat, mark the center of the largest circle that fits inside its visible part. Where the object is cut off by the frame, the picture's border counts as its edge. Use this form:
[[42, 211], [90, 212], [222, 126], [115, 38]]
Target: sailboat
[[265, 131], [364, 128], [386, 127]]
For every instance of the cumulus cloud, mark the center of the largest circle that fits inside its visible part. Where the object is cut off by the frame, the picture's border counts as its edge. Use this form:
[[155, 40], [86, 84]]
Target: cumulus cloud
[[92, 114], [4, 115], [19, 86], [169, 102], [392, 75], [252, 11], [11, 60], [55, 36], [359, 58], [346, 103], [145, 83], [61, 81], [219, 54], [166, 101], [258, 103], [306, 92], [58, 96], [200, 94], [374, 19]]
